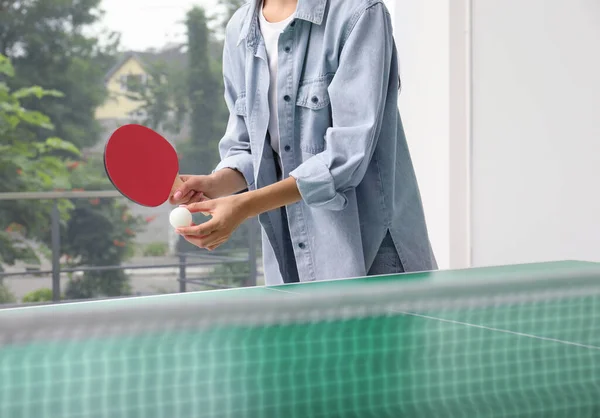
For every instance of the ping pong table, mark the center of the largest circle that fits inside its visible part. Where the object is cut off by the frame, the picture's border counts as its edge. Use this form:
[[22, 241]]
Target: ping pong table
[[509, 341]]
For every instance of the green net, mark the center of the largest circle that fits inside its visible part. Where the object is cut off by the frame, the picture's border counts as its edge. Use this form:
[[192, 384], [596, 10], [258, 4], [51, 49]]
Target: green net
[[525, 345]]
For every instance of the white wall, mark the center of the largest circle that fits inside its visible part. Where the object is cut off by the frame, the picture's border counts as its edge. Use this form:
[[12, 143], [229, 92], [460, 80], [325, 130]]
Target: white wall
[[421, 32], [536, 131], [501, 105], [505, 137]]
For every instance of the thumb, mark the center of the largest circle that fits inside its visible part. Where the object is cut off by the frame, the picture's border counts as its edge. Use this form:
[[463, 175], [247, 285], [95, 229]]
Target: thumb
[[182, 188]]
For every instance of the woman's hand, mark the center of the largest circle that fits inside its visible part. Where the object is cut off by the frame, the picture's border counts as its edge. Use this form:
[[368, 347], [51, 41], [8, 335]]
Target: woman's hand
[[227, 213], [200, 188], [194, 189]]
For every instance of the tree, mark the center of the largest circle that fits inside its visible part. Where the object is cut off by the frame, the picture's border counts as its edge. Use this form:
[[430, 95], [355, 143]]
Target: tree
[[46, 41], [230, 7], [27, 165], [6, 296], [93, 232], [205, 98], [100, 232], [48, 46], [209, 113]]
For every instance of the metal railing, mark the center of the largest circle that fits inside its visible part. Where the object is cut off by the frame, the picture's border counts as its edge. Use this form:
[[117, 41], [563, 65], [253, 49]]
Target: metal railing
[[185, 259]]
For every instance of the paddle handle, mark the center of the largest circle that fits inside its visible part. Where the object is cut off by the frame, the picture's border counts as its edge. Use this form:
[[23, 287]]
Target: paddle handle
[[177, 184]]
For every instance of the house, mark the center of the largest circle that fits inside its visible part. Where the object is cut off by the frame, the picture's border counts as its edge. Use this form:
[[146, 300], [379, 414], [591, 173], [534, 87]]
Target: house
[[118, 106], [133, 68]]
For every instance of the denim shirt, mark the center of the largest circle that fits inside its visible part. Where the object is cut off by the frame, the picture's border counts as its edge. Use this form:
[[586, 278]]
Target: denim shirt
[[341, 138]]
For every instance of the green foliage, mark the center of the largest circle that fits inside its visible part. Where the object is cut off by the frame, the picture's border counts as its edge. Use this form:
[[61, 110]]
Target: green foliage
[[100, 232], [6, 296], [93, 232], [47, 43], [205, 97], [95, 284], [27, 164], [39, 295], [231, 274], [43, 128], [156, 249], [14, 246]]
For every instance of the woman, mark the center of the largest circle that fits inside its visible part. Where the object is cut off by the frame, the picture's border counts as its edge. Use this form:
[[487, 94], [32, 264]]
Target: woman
[[315, 139]]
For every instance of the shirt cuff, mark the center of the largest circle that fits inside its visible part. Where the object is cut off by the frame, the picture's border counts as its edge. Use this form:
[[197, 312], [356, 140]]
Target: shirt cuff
[[316, 185], [242, 163]]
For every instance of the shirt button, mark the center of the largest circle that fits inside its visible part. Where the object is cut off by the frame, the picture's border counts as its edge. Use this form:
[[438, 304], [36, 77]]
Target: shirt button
[[287, 49], [293, 23], [301, 245], [287, 148], [315, 99], [287, 98]]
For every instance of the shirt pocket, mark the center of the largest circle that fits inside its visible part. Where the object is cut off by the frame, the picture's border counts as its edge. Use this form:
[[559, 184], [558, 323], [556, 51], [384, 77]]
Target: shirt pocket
[[240, 105], [313, 113]]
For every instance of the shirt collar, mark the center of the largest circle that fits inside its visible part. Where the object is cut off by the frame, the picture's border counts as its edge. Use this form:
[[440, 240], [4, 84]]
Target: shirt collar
[[309, 10]]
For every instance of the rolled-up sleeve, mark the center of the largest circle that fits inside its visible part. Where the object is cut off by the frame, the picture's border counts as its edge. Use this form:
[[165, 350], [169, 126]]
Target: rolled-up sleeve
[[234, 147], [358, 93]]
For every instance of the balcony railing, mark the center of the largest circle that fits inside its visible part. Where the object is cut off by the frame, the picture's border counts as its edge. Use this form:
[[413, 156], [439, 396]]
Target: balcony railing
[[186, 262]]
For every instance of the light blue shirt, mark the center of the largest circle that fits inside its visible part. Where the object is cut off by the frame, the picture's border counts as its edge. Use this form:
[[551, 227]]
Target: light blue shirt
[[341, 138]]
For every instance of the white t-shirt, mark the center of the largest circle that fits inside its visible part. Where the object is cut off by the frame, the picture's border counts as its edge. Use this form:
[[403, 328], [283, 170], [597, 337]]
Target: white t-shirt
[[270, 32]]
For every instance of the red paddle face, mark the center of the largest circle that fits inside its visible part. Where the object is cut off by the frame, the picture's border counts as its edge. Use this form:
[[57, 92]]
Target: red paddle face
[[141, 164]]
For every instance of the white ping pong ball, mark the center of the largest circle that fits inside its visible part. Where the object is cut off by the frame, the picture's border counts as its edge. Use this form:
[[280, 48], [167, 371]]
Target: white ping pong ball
[[180, 217]]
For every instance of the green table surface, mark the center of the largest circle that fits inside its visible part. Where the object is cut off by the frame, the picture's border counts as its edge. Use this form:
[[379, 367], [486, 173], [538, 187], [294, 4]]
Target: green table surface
[[530, 354]]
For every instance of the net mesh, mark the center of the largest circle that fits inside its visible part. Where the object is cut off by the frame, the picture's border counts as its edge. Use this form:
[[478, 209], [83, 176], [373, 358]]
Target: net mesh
[[508, 354]]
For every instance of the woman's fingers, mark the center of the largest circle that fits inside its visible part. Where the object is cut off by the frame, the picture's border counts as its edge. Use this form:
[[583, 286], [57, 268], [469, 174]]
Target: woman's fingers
[[217, 244], [207, 235], [226, 217], [190, 186], [210, 242], [188, 196], [201, 230], [204, 206], [181, 193], [195, 198]]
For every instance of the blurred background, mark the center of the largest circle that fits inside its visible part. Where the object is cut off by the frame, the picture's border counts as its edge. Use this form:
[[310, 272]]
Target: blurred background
[[500, 101], [71, 73]]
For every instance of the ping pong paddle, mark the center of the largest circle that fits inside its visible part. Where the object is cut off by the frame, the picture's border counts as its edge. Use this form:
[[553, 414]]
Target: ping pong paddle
[[142, 165]]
